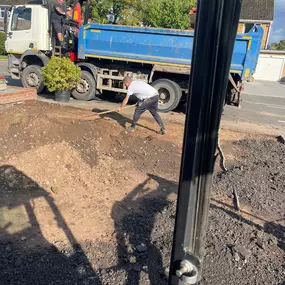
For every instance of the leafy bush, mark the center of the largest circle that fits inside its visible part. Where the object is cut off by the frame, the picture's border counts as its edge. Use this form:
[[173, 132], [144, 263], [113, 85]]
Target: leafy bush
[[172, 14], [2, 43], [155, 13], [61, 74], [278, 46]]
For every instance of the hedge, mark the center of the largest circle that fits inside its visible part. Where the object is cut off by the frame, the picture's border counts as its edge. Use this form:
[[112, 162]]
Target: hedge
[[2, 43]]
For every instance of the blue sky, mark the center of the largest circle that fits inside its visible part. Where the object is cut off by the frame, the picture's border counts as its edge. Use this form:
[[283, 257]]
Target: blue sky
[[278, 28]]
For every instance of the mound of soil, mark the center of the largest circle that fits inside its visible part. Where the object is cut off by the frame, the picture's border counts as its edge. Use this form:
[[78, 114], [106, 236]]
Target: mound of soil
[[83, 202]]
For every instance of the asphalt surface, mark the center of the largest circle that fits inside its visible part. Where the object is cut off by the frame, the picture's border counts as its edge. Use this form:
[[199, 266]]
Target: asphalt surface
[[263, 105]]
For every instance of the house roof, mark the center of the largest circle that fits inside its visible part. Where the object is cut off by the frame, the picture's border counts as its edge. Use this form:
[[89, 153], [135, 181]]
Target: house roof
[[257, 10]]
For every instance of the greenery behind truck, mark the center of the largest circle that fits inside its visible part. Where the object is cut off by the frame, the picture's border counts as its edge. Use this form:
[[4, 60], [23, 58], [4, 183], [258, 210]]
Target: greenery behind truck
[[107, 53]]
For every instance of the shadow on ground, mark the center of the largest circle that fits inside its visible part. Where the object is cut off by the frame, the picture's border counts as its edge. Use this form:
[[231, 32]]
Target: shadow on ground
[[270, 227], [134, 219], [26, 257], [122, 120]]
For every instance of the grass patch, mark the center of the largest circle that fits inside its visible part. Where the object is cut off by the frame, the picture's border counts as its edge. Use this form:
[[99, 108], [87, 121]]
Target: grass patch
[[3, 57]]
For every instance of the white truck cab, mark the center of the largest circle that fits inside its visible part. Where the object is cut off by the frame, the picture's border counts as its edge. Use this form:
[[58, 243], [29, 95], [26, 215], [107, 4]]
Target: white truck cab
[[30, 42], [28, 29]]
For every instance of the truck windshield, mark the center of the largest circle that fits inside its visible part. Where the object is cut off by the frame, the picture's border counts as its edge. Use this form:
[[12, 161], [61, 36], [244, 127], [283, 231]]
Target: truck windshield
[[21, 19]]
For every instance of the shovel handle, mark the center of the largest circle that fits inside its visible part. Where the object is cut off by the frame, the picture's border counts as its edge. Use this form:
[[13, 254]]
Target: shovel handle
[[115, 110]]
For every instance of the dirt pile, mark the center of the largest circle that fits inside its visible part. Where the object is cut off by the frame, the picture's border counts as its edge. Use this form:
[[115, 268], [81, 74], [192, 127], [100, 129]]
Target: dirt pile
[[86, 203], [242, 248], [259, 179]]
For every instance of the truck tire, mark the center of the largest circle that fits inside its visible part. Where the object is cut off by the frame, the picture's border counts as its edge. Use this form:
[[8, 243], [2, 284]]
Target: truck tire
[[32, 78], [169, 94], [86, 88]]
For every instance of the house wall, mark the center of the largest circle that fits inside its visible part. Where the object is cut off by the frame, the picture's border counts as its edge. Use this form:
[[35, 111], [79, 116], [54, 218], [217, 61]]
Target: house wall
[[240, 28], [266, 28]]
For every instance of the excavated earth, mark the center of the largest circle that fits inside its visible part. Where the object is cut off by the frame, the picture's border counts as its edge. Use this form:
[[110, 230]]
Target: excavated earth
[[82, 202]]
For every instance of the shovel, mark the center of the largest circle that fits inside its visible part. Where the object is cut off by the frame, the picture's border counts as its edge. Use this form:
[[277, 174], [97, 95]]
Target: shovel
[[96, 116]]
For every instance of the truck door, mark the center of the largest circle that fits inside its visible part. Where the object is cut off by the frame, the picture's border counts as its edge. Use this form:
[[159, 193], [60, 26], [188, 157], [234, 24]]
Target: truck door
[[19, 34]]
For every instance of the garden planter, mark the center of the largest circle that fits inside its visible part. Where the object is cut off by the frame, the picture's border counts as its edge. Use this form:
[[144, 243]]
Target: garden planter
[[60, 76], [62, 96], [3, 84], [3, 87]]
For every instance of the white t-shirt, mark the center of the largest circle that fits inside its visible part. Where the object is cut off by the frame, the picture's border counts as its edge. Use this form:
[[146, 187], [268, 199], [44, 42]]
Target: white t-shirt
[[141, 90]]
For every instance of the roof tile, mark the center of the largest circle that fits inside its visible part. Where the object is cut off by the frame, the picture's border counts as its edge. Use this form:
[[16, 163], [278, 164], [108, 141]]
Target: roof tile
[[257, 10]]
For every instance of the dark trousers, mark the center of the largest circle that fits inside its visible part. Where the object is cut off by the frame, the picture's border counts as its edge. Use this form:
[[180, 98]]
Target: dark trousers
[[151, 105]]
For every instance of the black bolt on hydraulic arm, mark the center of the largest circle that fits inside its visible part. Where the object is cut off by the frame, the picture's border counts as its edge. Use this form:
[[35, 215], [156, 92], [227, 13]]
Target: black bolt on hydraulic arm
[[215, 34]]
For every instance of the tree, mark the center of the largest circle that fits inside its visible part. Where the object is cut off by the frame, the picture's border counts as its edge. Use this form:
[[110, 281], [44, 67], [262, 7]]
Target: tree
[[282, 42], [132, 13], [168, 13], [2, 43], [278, 46], [155, 13], [113, 11]]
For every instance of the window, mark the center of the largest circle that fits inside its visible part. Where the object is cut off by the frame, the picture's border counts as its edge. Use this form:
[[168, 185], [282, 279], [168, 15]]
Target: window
[[248, 27], [21, 19]]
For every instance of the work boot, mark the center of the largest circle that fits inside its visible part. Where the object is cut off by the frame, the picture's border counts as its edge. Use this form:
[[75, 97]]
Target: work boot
[[130, 129], [162, 131]]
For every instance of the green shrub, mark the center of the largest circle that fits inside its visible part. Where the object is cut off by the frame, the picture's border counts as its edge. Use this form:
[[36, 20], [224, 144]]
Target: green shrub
[[2, 43], [61, 74]]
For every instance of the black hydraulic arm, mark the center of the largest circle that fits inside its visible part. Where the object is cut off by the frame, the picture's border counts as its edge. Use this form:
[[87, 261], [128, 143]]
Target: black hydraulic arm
[[215, 33], [87, 12]]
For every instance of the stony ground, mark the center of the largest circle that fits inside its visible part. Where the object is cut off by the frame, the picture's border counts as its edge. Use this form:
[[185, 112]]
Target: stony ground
[[82, 202]]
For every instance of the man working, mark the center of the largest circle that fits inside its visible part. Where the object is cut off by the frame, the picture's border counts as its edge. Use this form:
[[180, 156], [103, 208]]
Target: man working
[[148, 100], [192, 15], [59, 11]]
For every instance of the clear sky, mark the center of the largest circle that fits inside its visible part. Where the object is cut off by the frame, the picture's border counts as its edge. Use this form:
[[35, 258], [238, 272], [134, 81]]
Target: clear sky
[[278, 28]]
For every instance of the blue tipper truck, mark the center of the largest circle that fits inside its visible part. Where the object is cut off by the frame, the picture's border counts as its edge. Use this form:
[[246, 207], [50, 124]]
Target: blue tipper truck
[[108, 53], [161, 57]]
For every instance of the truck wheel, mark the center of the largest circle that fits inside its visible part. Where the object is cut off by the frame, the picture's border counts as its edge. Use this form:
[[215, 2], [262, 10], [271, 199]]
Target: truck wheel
[[169, 94], [86, 88], [32, 78]]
